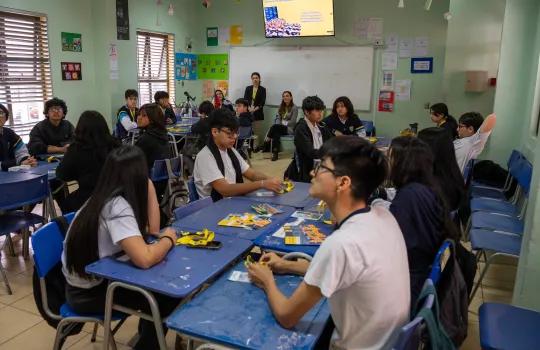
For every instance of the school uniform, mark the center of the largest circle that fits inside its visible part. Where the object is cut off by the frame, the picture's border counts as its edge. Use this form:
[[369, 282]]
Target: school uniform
[[169, 115], [468, 148], [155, 145], [45, 134], [348, 127], [450, 125], [308, 139], [126, 120], [12, 149], [202, 130], [256, 98], [362, 269]]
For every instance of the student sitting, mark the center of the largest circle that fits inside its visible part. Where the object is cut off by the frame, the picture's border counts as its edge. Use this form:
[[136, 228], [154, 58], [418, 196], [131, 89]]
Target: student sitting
[[473, 133], [445, 167], [85, 158], [245, 120], [418, 207], [284, 124], [162, 99], [126, 118], [221, 102], [343, 120], [439, 115], [13, 151], [202, 127], [54, 133], [154, 141], [219, 168], [361, 268], [121, 209], [309, 137]]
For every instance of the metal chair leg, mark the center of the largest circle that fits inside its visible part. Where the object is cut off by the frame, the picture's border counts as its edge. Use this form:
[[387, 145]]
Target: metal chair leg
[[4, 277], [26, 243], [94, 333], [489, 261], [11, 247]]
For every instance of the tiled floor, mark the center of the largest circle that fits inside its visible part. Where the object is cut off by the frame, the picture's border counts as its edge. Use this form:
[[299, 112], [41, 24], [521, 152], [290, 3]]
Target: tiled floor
[[21, 326]]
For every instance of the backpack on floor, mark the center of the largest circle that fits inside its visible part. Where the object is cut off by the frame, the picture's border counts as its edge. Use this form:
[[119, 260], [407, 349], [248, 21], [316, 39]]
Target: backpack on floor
[[176, 193]]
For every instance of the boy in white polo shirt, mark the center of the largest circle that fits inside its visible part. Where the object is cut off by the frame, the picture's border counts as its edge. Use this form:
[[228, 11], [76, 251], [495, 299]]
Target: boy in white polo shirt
[[362, 268], [473, 132], [219, 169]]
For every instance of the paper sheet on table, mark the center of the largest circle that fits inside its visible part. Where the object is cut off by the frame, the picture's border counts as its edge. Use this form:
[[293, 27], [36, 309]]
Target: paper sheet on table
[[281, 232]]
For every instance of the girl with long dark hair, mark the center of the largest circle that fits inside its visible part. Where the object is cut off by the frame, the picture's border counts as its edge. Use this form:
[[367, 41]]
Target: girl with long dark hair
[[440, 116], [343, 120], [121, 209], [154, 140]]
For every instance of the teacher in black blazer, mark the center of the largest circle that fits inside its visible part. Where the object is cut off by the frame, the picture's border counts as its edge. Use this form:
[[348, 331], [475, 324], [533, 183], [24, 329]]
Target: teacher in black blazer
[[256, 96]]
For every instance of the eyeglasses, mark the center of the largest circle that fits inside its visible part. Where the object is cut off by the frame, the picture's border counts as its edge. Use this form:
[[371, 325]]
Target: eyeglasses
[[461, 126], [319, 165], [56, 109], [229, 133]]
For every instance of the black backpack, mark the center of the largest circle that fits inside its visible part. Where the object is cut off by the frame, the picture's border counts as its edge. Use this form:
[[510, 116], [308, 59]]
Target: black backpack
[[56, 287], [453, 299]]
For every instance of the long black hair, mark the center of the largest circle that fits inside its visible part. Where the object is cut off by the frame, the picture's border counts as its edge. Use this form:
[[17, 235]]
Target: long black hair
[[155, 115], [347, 103], [93, 133], [445, 167], [124, 174], [411, 160]]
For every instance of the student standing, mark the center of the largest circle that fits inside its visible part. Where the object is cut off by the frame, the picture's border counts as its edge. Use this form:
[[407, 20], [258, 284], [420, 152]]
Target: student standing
[[126, 118], [162, 99], [361, 268], [85, 158], [309, 137], [53, 134], [343, 120], [13, 151], [219, 169], [255, 94], [473, 132], [121, 209], [439, 115]]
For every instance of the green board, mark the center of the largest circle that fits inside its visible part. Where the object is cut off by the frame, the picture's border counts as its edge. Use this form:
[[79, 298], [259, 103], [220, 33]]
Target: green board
[[213, 66], [71, 42]]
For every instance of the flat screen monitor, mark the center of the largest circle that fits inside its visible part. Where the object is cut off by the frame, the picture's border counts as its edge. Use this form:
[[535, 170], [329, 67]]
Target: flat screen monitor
[[298, 18]]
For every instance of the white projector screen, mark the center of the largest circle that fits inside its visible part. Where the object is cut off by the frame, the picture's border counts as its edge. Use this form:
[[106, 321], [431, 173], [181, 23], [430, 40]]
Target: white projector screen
[[328, 72]]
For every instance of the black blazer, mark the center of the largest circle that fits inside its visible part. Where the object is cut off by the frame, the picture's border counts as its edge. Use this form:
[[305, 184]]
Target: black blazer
[[305, 154], [260, 100]]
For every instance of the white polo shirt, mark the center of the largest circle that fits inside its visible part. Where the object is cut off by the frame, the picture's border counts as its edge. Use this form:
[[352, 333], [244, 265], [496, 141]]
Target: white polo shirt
[[206, 170], [468, 148], [362, 269]]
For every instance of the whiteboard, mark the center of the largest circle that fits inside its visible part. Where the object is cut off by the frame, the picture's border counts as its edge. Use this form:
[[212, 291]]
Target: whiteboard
[[328, 72]]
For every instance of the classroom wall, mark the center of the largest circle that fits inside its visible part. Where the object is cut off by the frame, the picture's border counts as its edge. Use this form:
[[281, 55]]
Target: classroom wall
[[410, 21], [473, 43]]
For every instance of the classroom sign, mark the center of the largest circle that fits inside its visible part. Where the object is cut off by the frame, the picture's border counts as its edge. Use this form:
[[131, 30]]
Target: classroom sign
[[185, 66], [71, 42], [213, 66]]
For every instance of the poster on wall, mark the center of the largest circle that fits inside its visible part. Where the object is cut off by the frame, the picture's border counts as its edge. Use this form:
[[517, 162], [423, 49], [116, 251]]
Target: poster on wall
[[71, 70], [185, 66], [386, 101], [212, 36], [113, 62], [236, 35], [422, 65], [223, 85], [208, 89], [122, 20], [71, 42], [213, 66]]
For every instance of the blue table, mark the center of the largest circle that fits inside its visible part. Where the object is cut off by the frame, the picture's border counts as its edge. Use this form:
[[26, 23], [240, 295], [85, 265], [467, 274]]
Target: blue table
[[181, 273], [12, 177], [209, 217], [299, 197], [269, 242], [43, 168], [237, 314]]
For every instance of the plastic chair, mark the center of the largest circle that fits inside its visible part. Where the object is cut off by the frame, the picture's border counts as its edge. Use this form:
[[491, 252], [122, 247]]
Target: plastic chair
[[47, 243], [436, 268], [515, 161], [245, 140], [173, 145], [159, 170], [193, 194], [191, 208], [514, 157], [508, 327], [369, 127]]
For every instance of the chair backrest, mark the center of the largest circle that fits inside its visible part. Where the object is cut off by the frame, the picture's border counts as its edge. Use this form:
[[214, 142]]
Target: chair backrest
[[245, 132], [193, 194], [436, 268], [514, 156], [192, 207], [47, 244], [159, 170], [523, 175], [368, 126], [468, 172], [172, 144], [29, 190]]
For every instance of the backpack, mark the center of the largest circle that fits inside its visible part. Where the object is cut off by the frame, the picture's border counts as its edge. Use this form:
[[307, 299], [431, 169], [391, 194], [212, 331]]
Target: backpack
[[468, 264], [56, 287], [454, 299], [176, 193]]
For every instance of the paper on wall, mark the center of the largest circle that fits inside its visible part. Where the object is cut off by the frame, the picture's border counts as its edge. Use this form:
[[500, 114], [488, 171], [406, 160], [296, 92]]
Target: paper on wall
[[387, 83], [224, 36], [392, 42], [375, 28], [389, 61], [403, 90], [405, 47], [113, 61], [421, 46], [360, 27]]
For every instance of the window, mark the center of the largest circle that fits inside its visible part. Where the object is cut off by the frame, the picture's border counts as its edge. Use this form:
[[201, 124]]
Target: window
[[25, 69], [155, 65]]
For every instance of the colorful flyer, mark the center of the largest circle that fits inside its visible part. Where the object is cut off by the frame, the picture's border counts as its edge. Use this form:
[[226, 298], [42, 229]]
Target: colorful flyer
[[71, 70], [386, 101], [247, 220], [213, 66], [303, 235], [71, 42], [185, 66]]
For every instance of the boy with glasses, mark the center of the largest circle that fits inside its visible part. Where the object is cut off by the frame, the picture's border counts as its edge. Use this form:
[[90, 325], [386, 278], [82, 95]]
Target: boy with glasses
[[473, 132], [219, 169], [53, 134], [361, 268], [13, 151]]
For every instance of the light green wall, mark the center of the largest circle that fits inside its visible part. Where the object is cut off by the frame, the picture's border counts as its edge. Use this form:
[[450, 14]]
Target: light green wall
[[473, 43], [411, 21]]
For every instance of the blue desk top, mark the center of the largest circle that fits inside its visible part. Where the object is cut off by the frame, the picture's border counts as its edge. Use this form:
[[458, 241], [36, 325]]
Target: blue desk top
[[298, 197], [44, 168], [237, 314], [11, 177], [180, 273], [209, 217]]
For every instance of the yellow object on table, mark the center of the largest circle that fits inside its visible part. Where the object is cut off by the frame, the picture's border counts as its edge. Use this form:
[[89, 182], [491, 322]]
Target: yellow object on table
[[199, 238]]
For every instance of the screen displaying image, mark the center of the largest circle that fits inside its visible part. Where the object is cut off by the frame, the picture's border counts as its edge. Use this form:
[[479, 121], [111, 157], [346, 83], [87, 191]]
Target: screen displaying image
[[296, 18]]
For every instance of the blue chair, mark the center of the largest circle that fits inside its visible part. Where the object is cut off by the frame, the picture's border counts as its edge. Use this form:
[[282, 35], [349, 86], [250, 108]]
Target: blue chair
[[245, 140], [159, 169], [436, 268], [514, 163], [514, 156], [47, 243], [508, 327], [191, 208], [369, 127], [193, 194]]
